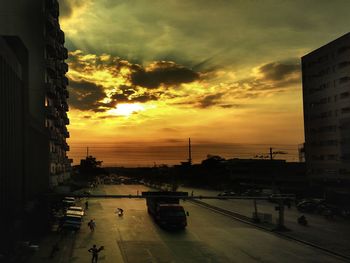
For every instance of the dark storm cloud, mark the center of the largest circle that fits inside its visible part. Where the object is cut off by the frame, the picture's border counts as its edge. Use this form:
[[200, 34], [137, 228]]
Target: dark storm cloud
[[85, 95], [277, 71], [67, 7], [210, 100], [193, 32], [272, 77], [162, 72]]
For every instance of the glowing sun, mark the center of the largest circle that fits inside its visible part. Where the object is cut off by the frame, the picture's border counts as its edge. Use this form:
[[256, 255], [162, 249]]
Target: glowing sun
[[126, 109]]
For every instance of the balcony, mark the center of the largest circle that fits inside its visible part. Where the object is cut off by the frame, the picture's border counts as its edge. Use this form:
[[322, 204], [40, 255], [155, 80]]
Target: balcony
[[61, 37], [51, 112], [66, 93], [59, 141], [64, 67], [58, 83], [51, 90], [63, 53], [50, 65], [53, 157], [51, 46], [66, 147], [65, 132], [66, 121], [51, 21], [65, 106], [53, 135], [59, 123], [57, 103], [65, 81]]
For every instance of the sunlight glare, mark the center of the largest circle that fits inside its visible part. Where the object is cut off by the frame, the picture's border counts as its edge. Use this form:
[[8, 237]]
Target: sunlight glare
[[126, 109]]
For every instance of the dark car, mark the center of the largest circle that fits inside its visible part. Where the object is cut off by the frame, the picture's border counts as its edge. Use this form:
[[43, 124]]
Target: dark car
[[252, 192], [310, 205], [227, 193]]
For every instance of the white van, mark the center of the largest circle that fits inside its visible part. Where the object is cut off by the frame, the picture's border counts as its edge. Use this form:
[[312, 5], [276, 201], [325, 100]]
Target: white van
[[75, 210]]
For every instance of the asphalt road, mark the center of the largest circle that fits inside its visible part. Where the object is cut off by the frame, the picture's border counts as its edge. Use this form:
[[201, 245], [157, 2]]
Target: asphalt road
[[209, 237], [332, 234]]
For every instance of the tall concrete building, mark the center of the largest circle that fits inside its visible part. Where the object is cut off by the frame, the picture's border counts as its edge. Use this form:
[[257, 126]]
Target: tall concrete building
[[33, 103], [13, 94], [326, 98]]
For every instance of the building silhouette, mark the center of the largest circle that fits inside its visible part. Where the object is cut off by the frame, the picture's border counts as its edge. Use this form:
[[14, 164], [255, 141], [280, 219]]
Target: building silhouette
[[326, 99], [33, 121], [13, 90]]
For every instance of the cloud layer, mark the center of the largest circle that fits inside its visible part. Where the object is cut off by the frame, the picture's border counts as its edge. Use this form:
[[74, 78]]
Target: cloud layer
[[100, 82]]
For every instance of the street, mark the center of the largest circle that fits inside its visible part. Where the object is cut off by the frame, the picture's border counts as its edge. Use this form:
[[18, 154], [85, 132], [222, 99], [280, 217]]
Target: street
[[331, 234], [135, 238]]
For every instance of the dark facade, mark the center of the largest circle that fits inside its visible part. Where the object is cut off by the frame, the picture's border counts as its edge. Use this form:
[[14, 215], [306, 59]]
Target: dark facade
[[13, 94], [326, 99], [33, 117]]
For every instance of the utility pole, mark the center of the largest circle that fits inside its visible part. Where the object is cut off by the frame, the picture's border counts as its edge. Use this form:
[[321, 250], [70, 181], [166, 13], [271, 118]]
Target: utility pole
[[280, 208], [87, 152], [271, 154], [189, 152]]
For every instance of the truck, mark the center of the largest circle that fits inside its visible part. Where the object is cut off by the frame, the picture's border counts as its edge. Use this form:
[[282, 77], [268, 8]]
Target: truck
[[165, 208]]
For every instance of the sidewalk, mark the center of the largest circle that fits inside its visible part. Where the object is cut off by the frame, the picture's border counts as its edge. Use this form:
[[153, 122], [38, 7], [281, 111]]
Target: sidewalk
[[65, 243]]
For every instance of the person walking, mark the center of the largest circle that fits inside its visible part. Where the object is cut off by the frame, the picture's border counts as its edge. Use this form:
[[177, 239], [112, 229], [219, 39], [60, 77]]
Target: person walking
[[94, 251], [55, 248], [92, 225], [86, 205]]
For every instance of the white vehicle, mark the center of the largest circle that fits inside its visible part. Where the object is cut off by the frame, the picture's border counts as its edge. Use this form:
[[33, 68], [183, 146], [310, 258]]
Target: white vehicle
[[75, 210], [68, 201]]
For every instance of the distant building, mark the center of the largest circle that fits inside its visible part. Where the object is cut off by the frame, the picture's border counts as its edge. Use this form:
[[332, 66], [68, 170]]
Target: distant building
[[326, 98], [33, 110], [301, 152]]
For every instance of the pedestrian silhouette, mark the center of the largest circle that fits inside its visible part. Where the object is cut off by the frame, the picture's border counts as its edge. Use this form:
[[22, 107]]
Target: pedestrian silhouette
[[86, 205], [92, 225], [54, 250], [94, 251]]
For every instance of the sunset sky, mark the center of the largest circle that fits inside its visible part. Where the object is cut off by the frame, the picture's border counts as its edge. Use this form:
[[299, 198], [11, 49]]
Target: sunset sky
[[147, 74]]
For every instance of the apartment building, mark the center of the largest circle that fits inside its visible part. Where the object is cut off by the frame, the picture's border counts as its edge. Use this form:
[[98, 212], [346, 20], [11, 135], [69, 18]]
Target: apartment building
[[36, 23], [326, 99], [13, 89], [33, 113]]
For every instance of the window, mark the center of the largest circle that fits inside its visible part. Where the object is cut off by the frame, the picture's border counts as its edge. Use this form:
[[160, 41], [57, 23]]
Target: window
[[343, 49], [344, 80], [345, 110], [343, 64], [331, 156], [344, 95]]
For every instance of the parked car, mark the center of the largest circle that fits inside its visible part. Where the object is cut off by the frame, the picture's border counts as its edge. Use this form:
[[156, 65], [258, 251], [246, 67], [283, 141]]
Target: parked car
[[227, 193], [75, 210], [68, 201], [252, 192], [310, 205], [72, 222]]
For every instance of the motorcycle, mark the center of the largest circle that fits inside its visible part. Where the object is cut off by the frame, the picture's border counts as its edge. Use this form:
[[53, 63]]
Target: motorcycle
[[120, 212], [302, 221]]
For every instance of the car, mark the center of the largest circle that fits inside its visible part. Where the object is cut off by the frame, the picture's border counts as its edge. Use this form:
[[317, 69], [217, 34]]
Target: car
[[252, 192], [75, 210], [68, 201], [227, 193], [309, 205], [72, 222]]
